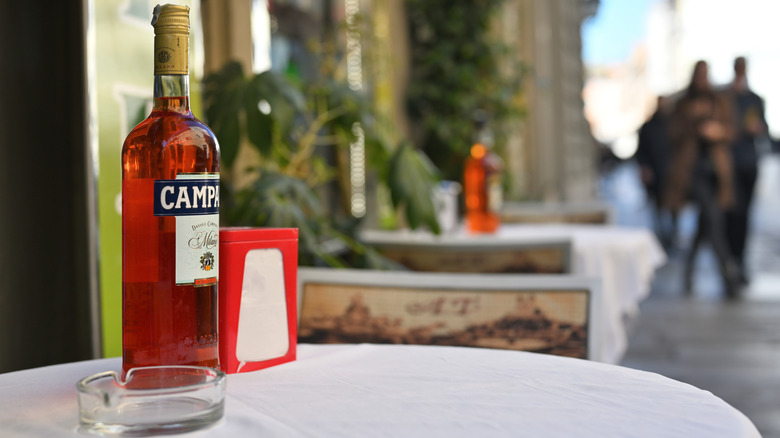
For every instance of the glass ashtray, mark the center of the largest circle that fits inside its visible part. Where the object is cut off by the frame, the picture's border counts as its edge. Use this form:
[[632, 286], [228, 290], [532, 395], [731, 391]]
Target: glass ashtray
[[151, 400]]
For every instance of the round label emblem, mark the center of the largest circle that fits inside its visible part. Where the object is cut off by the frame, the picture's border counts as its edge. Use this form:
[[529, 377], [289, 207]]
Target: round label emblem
[[163, 56]]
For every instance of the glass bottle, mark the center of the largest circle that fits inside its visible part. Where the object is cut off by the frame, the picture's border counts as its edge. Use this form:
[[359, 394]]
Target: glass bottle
[[482, 183], [170, 218]]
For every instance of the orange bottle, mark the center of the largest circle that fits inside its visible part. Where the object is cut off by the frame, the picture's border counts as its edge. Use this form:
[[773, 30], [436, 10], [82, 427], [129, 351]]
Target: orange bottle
[[170, 218], [482, 183]]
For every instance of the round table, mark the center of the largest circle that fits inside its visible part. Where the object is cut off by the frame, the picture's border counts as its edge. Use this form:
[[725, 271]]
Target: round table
[[410, 391]]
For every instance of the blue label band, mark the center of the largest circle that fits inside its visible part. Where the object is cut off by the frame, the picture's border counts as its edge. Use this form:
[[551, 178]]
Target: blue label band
[[186, 197]]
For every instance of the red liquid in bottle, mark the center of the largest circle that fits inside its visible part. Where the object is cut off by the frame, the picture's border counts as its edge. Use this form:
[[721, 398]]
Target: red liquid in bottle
[[163, 323], [482, 190]]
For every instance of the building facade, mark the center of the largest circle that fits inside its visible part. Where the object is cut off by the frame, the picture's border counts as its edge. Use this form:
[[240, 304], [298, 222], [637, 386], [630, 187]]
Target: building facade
[[553, 157]]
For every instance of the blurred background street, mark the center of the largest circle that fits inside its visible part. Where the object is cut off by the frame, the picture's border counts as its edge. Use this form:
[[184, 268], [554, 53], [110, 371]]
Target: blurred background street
[[729, 348]]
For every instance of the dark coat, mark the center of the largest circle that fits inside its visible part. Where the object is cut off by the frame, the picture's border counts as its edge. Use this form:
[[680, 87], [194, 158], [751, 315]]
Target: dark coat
[[687, 147], [747, 107], [654, 150]]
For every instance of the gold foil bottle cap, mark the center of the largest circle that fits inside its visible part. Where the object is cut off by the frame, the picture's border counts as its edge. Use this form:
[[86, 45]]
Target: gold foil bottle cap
[[171, 39], [168, 19]]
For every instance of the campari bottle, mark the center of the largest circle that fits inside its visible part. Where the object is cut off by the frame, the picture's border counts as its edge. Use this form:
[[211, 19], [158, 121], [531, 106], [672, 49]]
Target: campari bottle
[[170, 217], [482, 181]]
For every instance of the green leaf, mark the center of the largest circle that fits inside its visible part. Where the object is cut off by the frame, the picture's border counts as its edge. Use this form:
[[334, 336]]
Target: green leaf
[[378, 152], [223, 97], [258, 124], [286, 102], [229, 137], [285, 202], [411, 181]]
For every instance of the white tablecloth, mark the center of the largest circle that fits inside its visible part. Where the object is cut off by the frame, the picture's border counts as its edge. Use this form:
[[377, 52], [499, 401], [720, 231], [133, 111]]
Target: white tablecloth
[[411, 391], [625, 259]]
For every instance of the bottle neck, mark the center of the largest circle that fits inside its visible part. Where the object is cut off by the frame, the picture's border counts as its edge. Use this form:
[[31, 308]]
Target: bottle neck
[[172, 93]]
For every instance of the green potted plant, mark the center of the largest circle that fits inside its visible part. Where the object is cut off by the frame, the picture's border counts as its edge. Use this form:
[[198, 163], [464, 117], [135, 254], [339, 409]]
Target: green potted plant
[[289, 126]]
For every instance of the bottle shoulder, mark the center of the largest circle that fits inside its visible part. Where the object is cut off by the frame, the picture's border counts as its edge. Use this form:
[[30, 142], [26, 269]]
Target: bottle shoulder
[[490, 162], [162, 129], [493, 161]]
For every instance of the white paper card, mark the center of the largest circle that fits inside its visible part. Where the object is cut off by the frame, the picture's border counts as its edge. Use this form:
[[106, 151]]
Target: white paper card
[[262, 318]]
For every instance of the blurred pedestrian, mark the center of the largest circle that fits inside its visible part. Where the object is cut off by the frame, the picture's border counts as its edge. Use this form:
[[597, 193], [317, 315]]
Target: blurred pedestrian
[[750, 126], [653, 155], [701, 131]]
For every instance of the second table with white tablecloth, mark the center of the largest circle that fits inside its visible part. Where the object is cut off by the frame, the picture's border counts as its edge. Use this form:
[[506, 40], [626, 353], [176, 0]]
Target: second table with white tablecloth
[[624, 259]]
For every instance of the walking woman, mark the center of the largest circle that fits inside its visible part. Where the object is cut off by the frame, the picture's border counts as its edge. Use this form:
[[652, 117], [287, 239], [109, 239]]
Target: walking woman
[[701, 130]]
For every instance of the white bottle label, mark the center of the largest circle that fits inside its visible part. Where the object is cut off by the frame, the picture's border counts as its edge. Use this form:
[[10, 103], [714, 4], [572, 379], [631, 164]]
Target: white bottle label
[[193, 199], [495, 193]]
